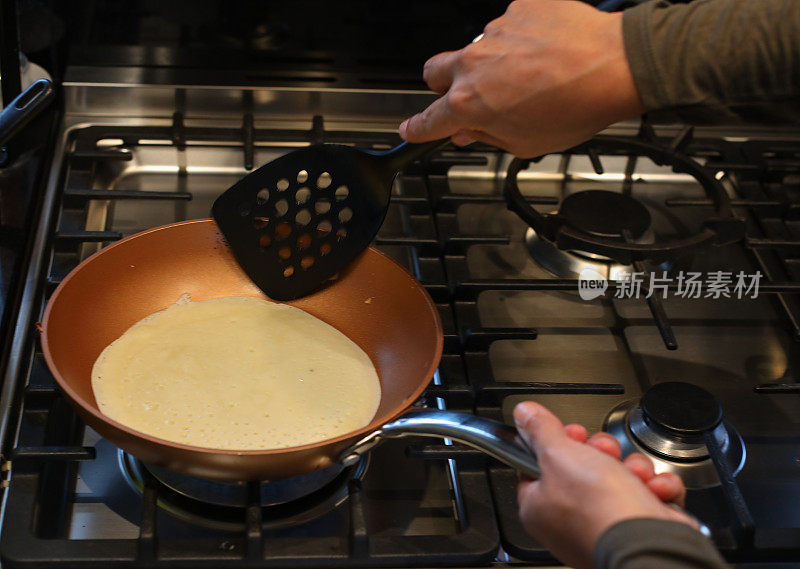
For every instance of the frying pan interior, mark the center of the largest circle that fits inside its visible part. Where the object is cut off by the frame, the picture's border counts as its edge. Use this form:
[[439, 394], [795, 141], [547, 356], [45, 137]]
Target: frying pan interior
[[375, 302]]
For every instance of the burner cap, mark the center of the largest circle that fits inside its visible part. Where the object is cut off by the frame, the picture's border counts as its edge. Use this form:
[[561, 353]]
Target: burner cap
[[681, 408], [605, 214], [686, 456]]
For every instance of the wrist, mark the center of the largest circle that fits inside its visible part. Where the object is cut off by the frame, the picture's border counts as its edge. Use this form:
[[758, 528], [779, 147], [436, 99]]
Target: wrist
[[620, 91], [644, 538], [611, 514]]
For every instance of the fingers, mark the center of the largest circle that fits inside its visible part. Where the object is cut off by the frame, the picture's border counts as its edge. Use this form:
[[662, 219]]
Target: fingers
[[527, 494], [439, 71], [538, 426], [576, 432], [668, 487], [606, 443], [641, 466], [541, 429], [437, 121]]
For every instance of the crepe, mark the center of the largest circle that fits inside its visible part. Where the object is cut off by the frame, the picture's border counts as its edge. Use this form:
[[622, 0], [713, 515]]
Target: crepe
[[236, 373]]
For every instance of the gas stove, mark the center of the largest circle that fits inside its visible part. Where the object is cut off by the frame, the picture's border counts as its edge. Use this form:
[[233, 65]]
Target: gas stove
[[706, 386]]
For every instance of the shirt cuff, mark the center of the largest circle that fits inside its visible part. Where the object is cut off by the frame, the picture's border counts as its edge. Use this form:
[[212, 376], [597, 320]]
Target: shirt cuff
[[639, 50], [645, 543]]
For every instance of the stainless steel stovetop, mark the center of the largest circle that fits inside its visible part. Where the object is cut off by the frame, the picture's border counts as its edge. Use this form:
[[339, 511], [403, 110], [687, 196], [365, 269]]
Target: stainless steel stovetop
[[513, 331]]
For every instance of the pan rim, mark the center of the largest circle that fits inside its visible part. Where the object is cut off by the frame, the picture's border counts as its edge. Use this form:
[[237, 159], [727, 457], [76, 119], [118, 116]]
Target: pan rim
[[375, 424]]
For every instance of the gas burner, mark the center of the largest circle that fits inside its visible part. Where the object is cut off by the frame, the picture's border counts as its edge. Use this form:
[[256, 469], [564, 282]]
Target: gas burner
[[598, 224], [669, 425], [221, 505], [603, 214]]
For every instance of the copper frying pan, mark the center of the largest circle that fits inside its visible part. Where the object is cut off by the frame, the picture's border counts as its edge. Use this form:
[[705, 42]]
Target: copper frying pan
[[375, 302]]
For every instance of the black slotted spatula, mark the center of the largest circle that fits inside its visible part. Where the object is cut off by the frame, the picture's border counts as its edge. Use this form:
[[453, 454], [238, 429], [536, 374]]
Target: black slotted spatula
[[297, 221]]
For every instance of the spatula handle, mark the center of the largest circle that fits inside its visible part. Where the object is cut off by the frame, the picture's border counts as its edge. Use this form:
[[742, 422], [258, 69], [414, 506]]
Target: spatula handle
[[404, 154]]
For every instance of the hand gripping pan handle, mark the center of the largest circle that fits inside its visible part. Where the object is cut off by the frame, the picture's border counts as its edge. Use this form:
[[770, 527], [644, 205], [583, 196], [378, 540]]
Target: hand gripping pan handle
[[498, 440], [495, 439]]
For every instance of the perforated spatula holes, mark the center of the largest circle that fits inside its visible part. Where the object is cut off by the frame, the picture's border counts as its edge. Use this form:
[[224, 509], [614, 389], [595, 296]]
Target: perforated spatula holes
[[298, 221], [345, 214], [304, 241], [324, 180], [307, 207], [286, 200], [302, 195], [281, 207], [322, 206]]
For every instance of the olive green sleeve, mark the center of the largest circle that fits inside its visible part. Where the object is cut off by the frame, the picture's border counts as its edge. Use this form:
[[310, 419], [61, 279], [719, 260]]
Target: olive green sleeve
[[713, 61], [655, 544]]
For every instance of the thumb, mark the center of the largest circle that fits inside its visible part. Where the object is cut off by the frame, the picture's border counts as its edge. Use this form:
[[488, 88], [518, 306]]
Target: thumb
[[538, 426]]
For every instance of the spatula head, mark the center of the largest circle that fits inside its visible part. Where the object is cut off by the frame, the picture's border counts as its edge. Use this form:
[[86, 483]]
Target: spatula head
[[297, 221]]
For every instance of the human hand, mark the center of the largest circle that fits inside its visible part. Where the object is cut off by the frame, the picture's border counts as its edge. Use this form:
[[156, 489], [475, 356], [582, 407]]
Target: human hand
[[545, 76], [668, 487], [584, 489]]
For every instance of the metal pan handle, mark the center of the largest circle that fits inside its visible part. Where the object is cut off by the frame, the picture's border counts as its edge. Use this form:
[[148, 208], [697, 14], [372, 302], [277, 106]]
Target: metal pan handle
[[495, 439]]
